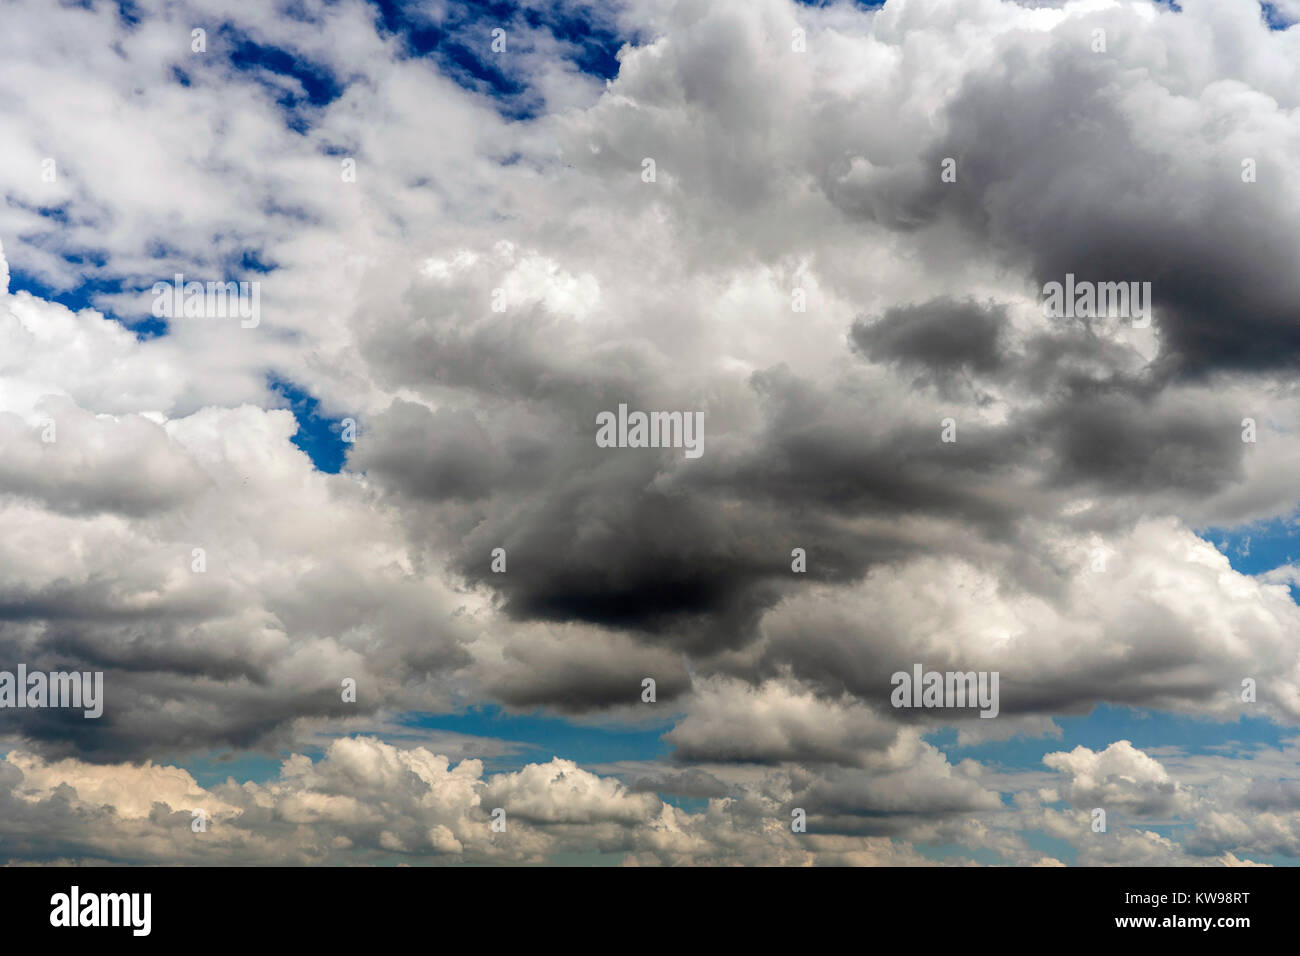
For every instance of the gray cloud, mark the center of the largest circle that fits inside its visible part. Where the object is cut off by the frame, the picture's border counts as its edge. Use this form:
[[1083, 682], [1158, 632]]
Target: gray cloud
[[487, 287]]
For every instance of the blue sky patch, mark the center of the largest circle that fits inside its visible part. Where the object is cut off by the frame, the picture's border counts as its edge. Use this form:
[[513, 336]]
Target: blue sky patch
[[1274, 17], [460, 44], [318, 435], [296, 84], [1143, 727], [1256, 548], [548, 736], [83, 296]]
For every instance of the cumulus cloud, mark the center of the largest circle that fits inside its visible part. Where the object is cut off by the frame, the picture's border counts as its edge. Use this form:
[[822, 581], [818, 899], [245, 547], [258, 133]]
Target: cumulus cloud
[[498, 273], [1119, 776]]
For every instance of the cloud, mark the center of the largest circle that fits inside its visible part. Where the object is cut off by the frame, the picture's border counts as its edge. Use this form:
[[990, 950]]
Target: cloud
[[498, 275], [1119, 776]]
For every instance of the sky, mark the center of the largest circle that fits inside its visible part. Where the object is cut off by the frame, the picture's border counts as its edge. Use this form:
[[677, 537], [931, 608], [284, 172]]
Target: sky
[[366, 588]]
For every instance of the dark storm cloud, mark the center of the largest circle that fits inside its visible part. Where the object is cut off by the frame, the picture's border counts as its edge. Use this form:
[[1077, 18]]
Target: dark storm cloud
[[669, 555], [688, 783], [198, 673], [434, 455], [607, 547], [943, 334], [146, 711], [1098, 423], [690, 555], [828, 449], [193, 698], [909, 791], [586, 673], [1120, 444], [642, 540], [778, 169], [1056, 174]]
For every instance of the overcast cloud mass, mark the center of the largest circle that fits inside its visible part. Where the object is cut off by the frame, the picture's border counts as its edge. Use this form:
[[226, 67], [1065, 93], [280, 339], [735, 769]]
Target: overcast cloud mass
[[462, 257]]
